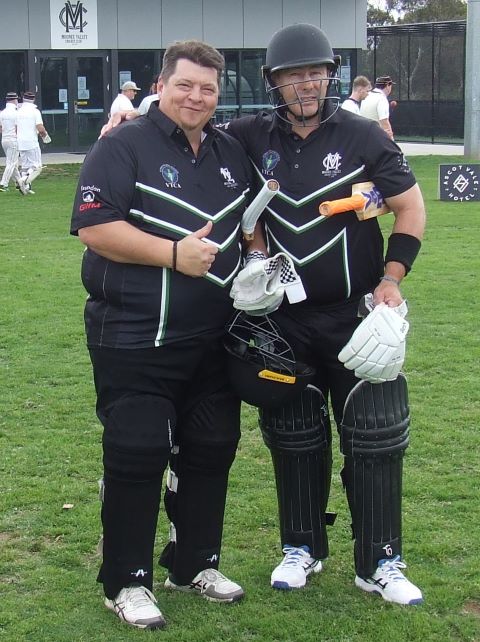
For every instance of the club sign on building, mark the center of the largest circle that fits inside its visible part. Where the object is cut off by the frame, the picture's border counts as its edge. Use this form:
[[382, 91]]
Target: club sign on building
[[73, 24]]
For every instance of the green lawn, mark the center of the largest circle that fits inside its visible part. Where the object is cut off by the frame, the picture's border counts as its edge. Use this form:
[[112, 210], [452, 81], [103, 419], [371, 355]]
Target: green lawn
[[50, 442]]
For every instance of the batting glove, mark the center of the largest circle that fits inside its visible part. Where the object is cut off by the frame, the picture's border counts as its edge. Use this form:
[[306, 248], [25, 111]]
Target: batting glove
[[259, 288], [376, 351]]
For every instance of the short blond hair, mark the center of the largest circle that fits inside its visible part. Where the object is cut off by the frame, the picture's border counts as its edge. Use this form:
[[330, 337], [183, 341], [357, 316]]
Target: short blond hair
[[361, 81]]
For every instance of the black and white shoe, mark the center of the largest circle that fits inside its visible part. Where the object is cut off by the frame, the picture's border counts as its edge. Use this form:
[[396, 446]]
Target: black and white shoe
[[211, 585], [136, 605]]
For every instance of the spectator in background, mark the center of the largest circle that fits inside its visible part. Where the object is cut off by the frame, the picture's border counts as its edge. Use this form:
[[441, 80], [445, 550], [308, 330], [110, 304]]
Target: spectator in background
[[8, 129], [29, 127], [360, 88], [123, 102], [152, 97], [376, 106]]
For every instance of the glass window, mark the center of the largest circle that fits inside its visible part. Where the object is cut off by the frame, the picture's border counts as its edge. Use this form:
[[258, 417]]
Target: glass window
[[228, 101], [53, 98], [242, 90], [140, 65], [253, 96], [89, 112], [346, 71], [12, 73]]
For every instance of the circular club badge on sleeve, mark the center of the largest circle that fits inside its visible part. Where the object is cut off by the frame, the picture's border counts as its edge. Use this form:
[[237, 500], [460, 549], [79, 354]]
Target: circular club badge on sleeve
[[459, 183]]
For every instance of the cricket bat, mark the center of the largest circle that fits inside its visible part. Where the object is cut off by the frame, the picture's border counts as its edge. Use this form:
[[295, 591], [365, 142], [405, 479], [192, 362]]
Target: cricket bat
[[256, 207], [366, 201]]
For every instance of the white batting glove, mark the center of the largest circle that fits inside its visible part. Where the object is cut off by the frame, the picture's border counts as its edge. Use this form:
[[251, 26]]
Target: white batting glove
[[259, 288], [46, 139], [376, 351]]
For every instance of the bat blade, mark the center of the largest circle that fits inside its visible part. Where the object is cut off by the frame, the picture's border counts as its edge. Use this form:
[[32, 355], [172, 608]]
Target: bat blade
[[366, 201], [375, 205]]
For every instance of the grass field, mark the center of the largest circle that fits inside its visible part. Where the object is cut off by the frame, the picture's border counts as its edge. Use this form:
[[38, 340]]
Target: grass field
[[51, 455]]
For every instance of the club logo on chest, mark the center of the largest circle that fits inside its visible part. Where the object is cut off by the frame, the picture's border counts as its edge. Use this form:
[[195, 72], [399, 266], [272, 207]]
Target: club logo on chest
[[170, 175]]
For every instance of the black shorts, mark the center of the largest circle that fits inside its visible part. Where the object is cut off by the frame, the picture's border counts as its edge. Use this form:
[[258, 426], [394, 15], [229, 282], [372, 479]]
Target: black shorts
[[185, 373]]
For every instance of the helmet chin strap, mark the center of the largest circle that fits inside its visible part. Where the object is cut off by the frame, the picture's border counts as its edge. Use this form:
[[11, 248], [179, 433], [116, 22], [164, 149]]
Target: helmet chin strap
[[302, 119], [321, 115]]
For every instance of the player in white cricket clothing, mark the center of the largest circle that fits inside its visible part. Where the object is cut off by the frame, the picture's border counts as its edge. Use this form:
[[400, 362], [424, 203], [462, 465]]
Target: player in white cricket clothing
[[376, 106], [29, 127], [144, 106], [360, 88], [8, 128]]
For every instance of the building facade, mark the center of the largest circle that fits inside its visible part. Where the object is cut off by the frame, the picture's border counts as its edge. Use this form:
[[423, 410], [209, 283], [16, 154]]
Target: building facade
[[76, 54]]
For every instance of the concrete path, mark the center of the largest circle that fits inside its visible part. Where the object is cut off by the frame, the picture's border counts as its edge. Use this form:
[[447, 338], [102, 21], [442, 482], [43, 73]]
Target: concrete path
[[426, 149]]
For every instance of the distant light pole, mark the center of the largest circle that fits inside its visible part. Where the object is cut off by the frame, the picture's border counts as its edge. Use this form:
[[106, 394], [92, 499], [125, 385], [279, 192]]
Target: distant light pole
[[472, 82]]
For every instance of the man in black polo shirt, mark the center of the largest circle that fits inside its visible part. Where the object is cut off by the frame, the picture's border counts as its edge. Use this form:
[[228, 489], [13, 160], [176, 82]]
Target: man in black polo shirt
[[316, 152], [158, 205]]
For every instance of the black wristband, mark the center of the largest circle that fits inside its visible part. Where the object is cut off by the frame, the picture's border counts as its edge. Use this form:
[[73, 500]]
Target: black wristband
[[174, 256], [403, 248]]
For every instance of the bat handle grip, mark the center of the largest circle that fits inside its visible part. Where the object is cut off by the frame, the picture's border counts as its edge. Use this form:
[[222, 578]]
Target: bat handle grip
[[355, 202]]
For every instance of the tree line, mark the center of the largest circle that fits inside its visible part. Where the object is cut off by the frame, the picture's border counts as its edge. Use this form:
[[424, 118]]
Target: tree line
[[415, 11]]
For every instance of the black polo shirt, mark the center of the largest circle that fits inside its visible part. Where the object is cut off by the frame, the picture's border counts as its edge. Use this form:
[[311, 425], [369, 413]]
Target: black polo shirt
[[339, 257], [145, 173]]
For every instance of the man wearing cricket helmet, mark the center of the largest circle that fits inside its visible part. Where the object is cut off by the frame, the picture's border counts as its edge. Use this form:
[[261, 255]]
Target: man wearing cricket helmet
[[318, 152]]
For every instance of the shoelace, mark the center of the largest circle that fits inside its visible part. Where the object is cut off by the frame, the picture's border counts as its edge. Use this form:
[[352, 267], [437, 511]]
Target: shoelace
[[212, 577], [293, 556], [139, 597], [392, 568]]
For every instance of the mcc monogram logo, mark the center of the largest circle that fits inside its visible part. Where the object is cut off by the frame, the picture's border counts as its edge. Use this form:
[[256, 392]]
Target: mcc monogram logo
[[71, 16]]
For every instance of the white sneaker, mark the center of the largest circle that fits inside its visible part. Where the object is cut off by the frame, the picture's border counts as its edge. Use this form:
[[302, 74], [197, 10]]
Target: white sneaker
[[389, 582], [136, 605], [211, 585], [296, 566], [23, 186]]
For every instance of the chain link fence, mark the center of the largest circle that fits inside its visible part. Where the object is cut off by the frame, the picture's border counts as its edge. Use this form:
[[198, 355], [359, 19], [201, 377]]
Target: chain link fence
[[427, 61]]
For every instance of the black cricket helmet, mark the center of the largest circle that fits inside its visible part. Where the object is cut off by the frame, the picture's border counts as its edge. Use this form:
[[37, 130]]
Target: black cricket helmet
[[261, 364], [301, 45]]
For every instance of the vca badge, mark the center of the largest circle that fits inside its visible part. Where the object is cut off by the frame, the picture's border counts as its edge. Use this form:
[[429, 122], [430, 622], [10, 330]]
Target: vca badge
[[459, 183]]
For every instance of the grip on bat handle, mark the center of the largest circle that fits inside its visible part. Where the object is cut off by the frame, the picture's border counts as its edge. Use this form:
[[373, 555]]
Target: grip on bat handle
[[355, 202], [273, 185]]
